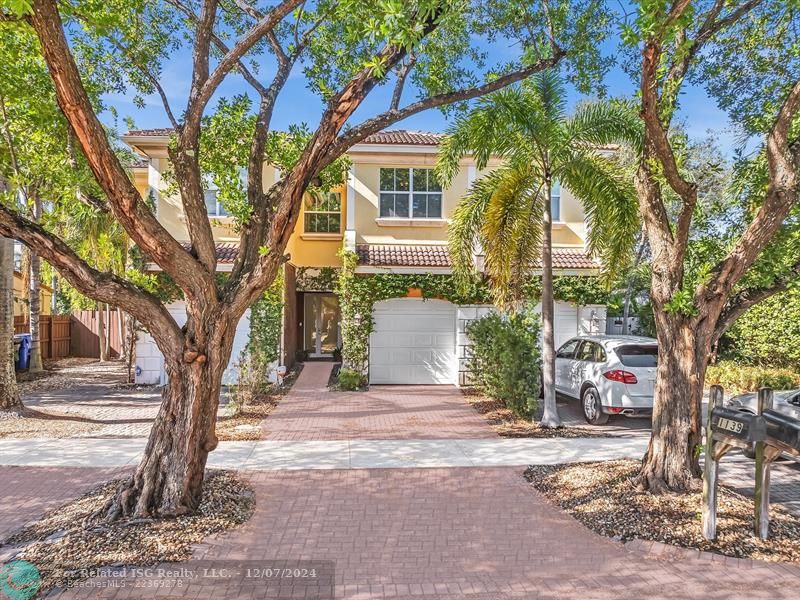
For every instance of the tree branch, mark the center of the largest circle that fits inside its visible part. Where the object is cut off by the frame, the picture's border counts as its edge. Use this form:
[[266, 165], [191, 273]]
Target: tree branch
[[103, 287], [197, 104], [375, 124], [222, 47], [746, 299], [125, 202], [783, 160], [402, 75]]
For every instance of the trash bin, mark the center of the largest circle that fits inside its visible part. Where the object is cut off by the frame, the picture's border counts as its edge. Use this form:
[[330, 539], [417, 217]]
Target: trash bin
[[24, 356]]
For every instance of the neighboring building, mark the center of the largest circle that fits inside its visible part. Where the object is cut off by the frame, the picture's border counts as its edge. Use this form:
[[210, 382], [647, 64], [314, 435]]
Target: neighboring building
[[394, 216], [21, 305]]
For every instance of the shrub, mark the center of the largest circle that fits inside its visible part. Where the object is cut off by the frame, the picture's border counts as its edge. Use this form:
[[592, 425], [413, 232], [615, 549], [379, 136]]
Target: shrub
[[252, 381], [506, 359], [350, 380], [736, 377], [768, 334]]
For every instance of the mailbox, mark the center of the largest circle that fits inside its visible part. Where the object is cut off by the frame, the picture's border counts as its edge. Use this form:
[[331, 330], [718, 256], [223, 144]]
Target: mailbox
[[782, 431], [728, 423]]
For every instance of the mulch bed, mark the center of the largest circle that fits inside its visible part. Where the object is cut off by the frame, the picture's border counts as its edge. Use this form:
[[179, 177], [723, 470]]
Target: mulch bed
[[601, 496], [62, 546], [507, 424], [245, 425]]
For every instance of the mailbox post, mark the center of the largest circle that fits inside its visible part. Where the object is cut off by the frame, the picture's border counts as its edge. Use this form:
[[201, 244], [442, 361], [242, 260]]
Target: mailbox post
[[726, 428]]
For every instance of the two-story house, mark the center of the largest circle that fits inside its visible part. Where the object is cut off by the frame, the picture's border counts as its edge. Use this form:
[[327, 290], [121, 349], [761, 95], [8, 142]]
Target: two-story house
[[394, 216]]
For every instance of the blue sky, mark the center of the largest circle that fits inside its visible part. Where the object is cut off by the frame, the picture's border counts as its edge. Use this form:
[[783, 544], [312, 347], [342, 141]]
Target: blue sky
[[298, 104]]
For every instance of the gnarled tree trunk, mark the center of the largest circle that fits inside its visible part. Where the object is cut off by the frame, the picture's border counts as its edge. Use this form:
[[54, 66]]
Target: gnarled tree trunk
[[9, 393], [671, 461], [168, 481]]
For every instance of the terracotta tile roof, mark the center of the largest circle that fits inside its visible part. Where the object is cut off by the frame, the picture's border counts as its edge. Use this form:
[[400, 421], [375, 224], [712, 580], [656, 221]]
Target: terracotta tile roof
[[381, 255], [572, 259], [226, 252], [151, 132], [141, 163], [402, 136], [402, 255]]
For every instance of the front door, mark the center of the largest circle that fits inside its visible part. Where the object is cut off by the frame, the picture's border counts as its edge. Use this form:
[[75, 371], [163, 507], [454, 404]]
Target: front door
[[320, 324]]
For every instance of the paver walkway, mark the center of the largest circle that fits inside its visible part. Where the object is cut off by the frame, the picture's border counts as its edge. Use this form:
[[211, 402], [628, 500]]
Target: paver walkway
[[310, 412], [473, 530], [445, 534]]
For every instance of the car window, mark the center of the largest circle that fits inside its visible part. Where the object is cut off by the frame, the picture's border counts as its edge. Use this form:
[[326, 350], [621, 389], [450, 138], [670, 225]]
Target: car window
[[638, 356], [568, 349], [586, 352], [591, 352]]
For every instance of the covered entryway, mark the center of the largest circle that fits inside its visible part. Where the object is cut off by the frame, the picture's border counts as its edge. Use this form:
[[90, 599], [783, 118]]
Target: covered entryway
[[413, 342]]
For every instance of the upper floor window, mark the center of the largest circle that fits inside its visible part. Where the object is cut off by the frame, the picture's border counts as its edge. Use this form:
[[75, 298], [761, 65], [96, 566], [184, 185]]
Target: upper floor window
[[410, 194], [323, 213], [213, 205], [555, 201]]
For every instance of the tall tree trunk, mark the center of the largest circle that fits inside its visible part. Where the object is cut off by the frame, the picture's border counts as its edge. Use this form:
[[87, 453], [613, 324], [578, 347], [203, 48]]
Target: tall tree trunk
[[9, 393], [101, 332], [36, 296], [671, 461], [550, 416], [168, 480], [121, 334]]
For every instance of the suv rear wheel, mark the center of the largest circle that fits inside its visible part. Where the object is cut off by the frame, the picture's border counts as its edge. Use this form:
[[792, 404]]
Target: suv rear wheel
[[592, 408]]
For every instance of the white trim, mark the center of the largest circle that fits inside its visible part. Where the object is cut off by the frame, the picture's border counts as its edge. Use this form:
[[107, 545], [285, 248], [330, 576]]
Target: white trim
[[406, 270], [411, 192], [394, 148], [350, 205], [404, 222], [472, 173], [321, 236]]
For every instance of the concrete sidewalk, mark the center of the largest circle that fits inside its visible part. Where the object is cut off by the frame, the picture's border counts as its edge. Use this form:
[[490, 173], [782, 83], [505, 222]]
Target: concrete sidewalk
[[332, 454]]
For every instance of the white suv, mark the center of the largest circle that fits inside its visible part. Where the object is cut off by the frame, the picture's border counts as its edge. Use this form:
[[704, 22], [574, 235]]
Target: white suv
[[609, 374]]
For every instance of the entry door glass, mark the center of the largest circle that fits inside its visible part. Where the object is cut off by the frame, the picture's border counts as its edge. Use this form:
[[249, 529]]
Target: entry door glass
[[321, 323]]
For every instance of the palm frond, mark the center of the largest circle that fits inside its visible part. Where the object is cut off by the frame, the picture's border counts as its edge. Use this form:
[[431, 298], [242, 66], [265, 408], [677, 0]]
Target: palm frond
[[465, 227], [511, 231], [611, 208], [600, 123]]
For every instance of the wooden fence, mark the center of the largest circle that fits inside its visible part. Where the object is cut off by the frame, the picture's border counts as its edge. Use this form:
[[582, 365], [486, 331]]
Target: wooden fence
[[85, 338], [54, 334]]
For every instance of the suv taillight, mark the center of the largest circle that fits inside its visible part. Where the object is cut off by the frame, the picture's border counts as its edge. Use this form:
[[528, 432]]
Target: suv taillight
[[621, 376]]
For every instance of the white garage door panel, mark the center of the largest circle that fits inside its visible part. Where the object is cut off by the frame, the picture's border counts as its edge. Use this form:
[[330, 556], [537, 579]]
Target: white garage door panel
[[414, 342]]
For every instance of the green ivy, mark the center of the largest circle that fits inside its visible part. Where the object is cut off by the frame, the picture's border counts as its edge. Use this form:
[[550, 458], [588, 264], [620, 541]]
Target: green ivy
[[313, 279], [265, 325], [358, 293]]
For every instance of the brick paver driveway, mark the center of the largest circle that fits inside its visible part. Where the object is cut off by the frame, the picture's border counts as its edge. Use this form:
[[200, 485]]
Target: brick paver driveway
[[445, 534], [436, 533], [311, 412]]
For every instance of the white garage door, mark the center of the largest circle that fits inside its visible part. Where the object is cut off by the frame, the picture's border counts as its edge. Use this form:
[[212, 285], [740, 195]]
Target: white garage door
[[565, 322], [413, 342]]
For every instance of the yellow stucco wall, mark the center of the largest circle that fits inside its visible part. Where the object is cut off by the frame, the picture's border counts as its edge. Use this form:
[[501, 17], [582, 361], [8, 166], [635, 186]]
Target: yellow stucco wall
[[319, 251], [370, 229], [20, 298]]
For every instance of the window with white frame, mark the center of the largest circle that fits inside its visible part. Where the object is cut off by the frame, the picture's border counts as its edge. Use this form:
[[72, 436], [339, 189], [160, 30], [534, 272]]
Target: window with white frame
[[323, 213], [410, 194], [213, 205], [555, 201]]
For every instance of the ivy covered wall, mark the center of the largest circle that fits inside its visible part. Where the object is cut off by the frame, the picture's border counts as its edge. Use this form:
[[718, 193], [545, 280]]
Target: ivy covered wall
[[359, 292]]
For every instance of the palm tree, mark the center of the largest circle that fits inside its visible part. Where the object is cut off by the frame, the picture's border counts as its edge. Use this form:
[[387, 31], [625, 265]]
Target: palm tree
[[507, 213]]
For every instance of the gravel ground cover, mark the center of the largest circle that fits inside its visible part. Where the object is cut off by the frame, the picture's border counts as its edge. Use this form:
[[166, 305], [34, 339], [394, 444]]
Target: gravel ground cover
[[70, 372], [507, 424], [31, 423], [601, 496], [68, 542]]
